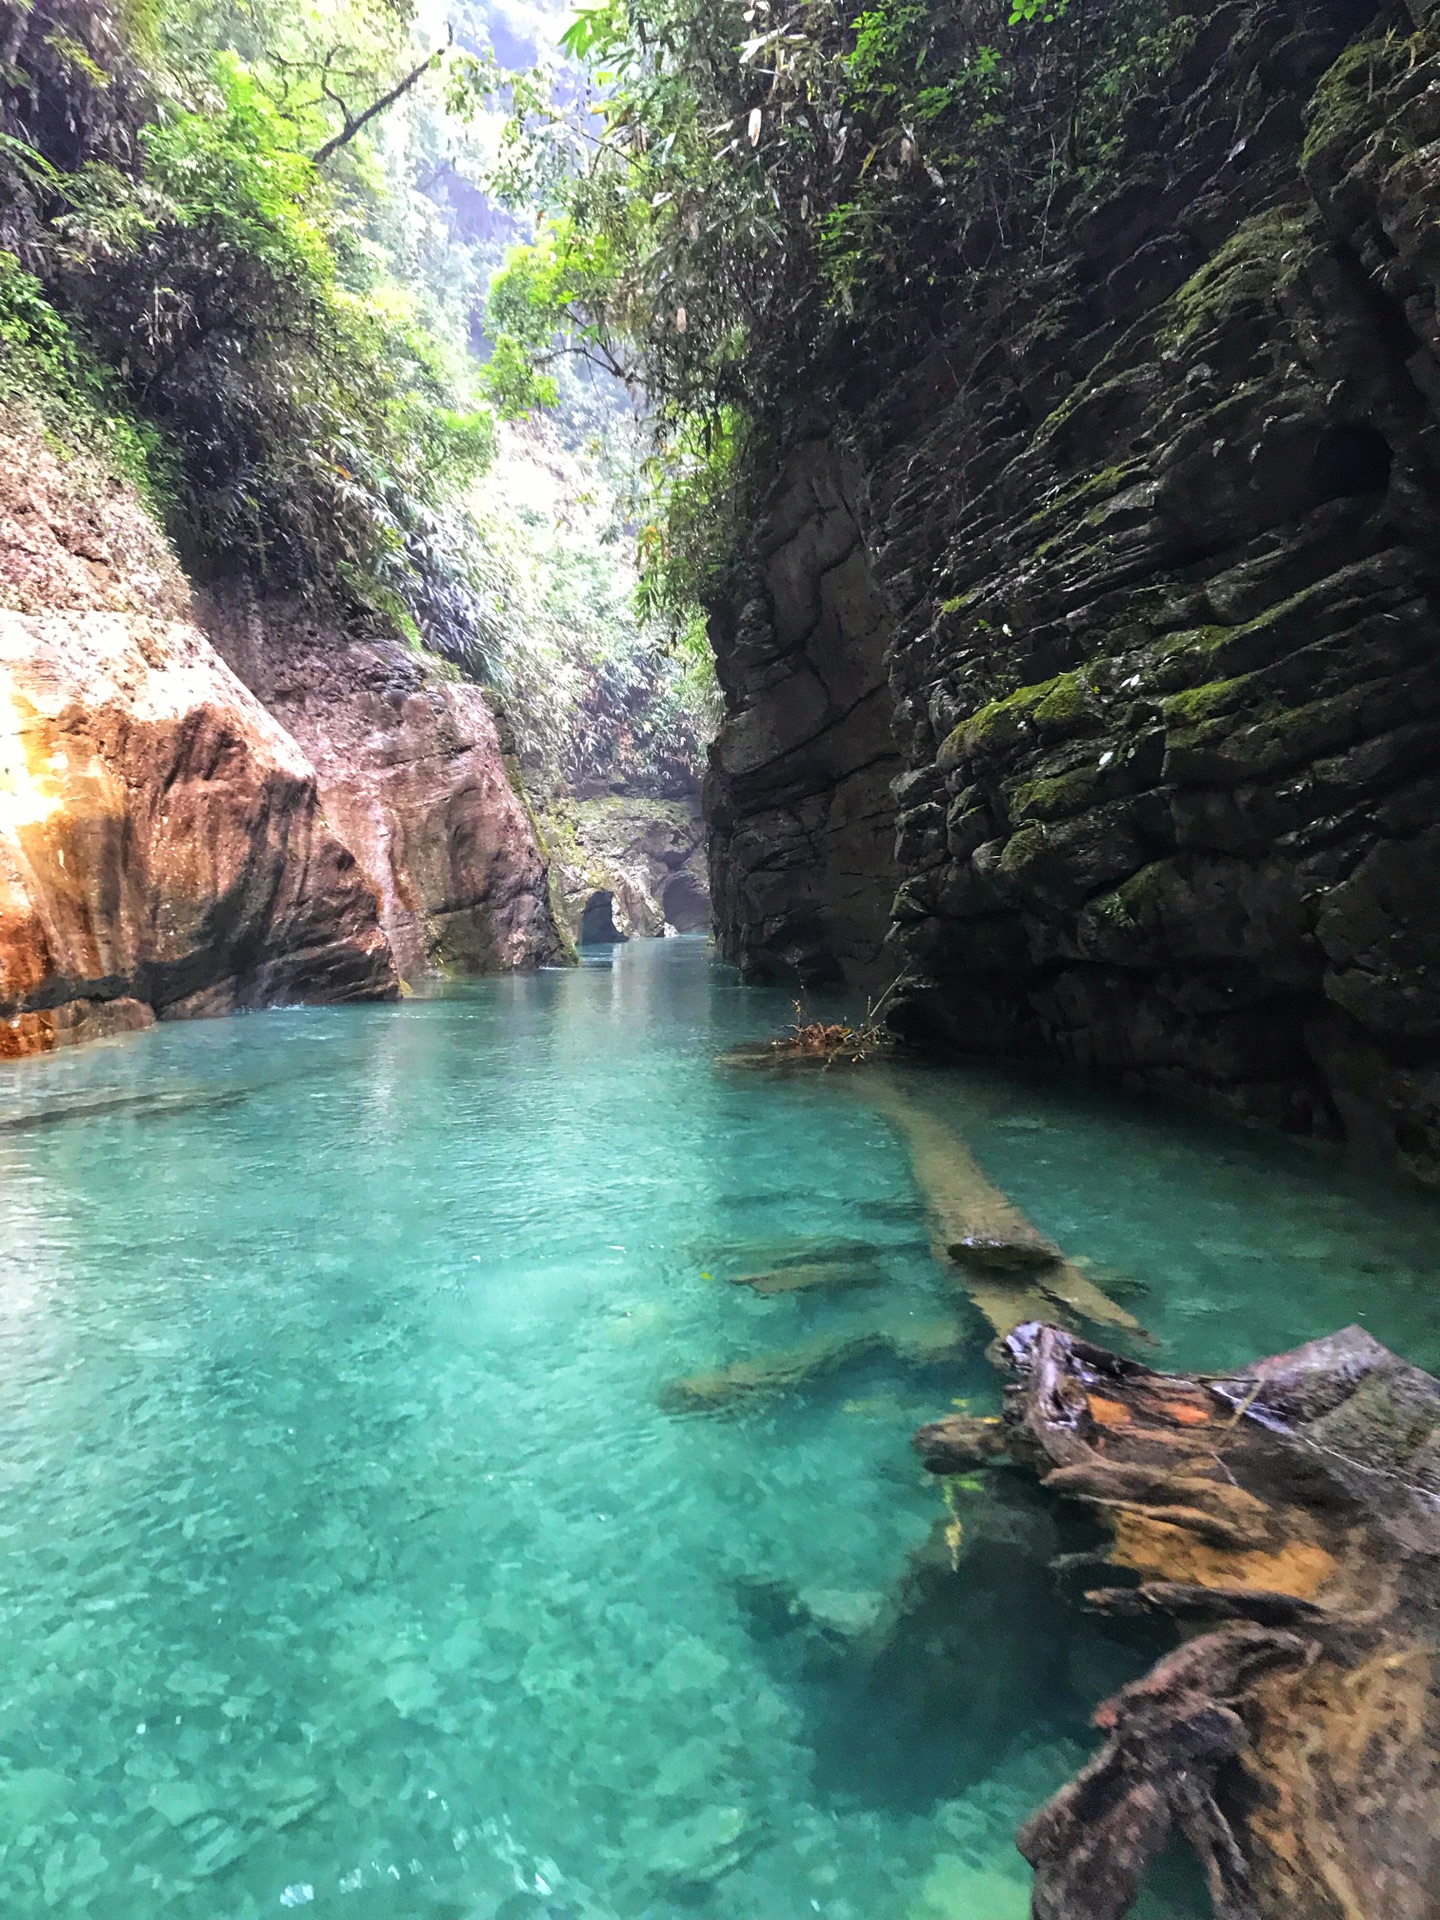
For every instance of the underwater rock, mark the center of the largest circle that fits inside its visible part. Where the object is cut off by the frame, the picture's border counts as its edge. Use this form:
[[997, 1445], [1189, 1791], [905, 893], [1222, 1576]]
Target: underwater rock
[[842, 1610], [702, 1846], [1292, 1511], [974, 1640], [33, 1795], [958, 1890], [961, 1441]]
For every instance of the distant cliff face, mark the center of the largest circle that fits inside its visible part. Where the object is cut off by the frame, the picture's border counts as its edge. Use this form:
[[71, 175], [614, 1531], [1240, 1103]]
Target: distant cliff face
[[413, 777], [642, 854], [1155, 536]]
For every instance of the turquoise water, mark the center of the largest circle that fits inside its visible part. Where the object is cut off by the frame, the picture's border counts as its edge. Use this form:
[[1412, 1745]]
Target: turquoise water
[[352, 1561]]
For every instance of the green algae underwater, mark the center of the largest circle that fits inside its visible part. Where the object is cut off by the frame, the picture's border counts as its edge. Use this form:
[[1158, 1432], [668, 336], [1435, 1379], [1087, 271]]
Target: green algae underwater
[[357, 1559]]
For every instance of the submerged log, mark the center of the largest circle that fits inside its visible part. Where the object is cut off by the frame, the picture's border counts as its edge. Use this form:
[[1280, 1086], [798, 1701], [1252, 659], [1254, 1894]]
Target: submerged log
[[920, 1343], [804, 1276], [1292, 1512], [134, 1106], [798, 1265], [1009, 1268]]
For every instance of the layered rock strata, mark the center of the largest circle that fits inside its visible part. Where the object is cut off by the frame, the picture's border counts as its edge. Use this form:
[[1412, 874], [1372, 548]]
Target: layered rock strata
[[162, 847], [413, 776], [798, 794], [1148, 547]]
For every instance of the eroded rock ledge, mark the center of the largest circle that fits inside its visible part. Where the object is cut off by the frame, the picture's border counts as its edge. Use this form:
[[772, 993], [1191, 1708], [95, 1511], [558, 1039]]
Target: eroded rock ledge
[[1287, 1517]]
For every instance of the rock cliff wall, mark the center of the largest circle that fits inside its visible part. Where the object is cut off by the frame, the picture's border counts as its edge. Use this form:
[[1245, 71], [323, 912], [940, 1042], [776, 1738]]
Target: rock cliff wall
[[413, 777], [162, 847], [1156, 533], [798, 794], [170, 843]]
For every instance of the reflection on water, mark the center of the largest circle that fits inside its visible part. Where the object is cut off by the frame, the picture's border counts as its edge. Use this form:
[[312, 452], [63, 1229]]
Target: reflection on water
[[352, 1563]]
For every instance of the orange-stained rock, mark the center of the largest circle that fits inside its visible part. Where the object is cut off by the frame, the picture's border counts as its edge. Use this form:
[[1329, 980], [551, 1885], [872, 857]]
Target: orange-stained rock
[[162, 845], [414, 778]]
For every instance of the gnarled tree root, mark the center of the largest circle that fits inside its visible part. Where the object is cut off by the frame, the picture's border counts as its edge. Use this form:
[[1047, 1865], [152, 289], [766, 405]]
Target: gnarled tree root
[[1289, 1515]]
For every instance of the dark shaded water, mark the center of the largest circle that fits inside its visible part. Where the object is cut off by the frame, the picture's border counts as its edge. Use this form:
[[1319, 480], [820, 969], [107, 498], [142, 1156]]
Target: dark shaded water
[[351, 1561]]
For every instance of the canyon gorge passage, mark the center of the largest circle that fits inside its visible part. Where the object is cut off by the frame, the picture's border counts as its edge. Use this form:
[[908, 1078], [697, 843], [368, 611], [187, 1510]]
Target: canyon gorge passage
[[720, 959]]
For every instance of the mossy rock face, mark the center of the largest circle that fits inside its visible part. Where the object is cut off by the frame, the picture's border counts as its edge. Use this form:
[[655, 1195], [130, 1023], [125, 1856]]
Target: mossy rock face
[[1196, 705], [1252, 269], [1055, 798], [1054, 710], [1341, 113], [1157, 528]]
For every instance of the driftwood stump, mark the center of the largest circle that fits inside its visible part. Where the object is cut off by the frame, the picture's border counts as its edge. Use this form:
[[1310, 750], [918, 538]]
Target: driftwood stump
[[1287, 1517]]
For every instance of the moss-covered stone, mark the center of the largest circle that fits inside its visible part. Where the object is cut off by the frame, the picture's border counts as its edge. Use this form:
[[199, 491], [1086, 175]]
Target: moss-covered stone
[[1194, 705], [1090, 493], [1023, 851], [1056, 707], [1056, 797], [1252, 268], [1063, 707], [1342, 110], [1140, 898]]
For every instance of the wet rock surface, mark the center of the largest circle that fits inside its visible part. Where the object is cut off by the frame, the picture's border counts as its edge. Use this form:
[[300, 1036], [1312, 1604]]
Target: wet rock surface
[[1146, 553], [163, 851], [413, 776]]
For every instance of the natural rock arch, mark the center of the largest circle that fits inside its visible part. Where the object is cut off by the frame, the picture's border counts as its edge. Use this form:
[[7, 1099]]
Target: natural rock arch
[[597, 925]]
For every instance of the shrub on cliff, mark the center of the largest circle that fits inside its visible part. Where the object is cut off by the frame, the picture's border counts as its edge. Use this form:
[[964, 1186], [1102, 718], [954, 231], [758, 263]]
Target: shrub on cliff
[[767, 200], [192, 186]]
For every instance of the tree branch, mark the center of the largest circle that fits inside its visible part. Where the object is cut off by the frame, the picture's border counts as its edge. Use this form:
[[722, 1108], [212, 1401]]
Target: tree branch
[[354, 123]]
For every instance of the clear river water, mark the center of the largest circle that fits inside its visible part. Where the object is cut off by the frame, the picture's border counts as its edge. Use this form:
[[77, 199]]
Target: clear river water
[[355, 1557]]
